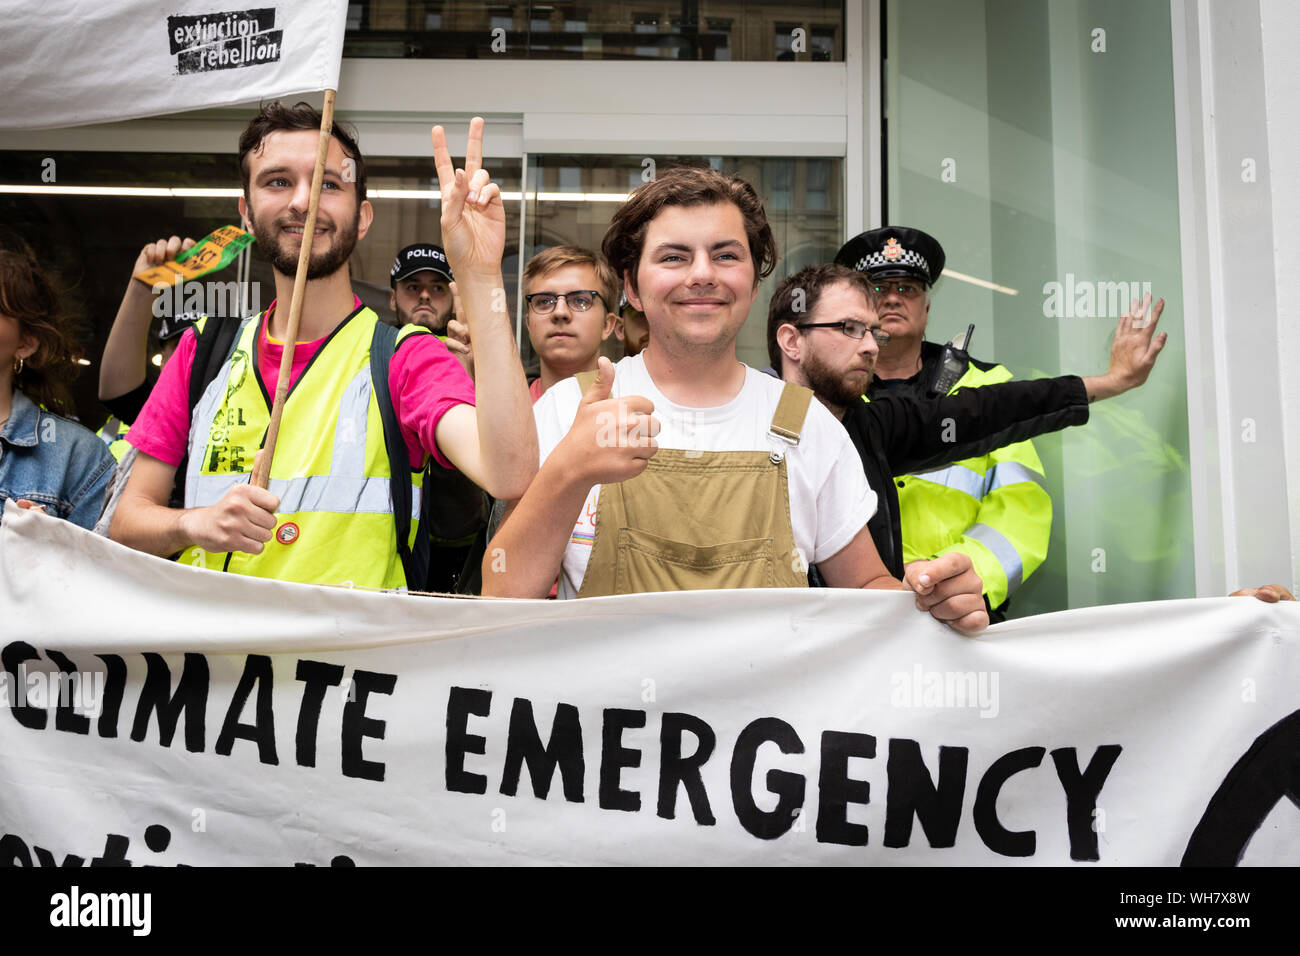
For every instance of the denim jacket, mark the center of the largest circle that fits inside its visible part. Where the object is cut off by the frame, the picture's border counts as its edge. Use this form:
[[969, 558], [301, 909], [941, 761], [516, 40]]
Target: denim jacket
[[53, 462]]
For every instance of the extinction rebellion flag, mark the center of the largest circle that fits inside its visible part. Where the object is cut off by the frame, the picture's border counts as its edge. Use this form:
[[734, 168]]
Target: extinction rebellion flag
[[73, 62]]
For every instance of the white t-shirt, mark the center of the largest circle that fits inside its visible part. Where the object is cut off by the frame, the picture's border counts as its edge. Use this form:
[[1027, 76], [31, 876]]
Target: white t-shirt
[[830, 499]]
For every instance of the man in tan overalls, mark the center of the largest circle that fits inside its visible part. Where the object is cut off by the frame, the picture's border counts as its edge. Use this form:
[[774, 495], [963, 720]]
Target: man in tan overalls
[[753, 482]]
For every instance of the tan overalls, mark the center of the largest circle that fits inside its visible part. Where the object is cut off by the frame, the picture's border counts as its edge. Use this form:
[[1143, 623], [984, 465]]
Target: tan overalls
[[695, 520]]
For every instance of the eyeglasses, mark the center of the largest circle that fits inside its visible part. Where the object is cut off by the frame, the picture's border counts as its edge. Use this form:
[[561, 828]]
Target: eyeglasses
[[581, 300], [853, 329], [908, 290]]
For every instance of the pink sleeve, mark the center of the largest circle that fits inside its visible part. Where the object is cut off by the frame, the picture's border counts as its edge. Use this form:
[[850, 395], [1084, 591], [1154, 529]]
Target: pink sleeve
[[425, 381], [162, 429]]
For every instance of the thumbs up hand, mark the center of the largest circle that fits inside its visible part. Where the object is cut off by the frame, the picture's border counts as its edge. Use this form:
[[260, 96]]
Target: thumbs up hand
[[611, 439]]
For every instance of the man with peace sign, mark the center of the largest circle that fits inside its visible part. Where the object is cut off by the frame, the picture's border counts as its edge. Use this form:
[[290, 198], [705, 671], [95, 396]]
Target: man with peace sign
[[328, 515]]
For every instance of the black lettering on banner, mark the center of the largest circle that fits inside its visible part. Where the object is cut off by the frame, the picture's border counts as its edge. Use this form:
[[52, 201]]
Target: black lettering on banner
[[191, 698], [524, 745], [614, 757], [836, 790], [45, 858], [115, 847], [13, 851], [224, 41], [317, 676], [65, 717], [1263, 776], [461, 702], [257, 671], [912, 791], [231, 54], [14, 654], [1081, 791], [186, 32], [995, 836], [114, 690], [789, 787], [674, 769], [356, 725]]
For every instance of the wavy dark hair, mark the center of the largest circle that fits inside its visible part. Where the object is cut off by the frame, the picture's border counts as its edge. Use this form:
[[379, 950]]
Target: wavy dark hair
[[28, 295], [275, 116], [686, 186]]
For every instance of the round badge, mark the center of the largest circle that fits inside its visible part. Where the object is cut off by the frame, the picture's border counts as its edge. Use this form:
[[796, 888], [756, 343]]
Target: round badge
[[287, 533]]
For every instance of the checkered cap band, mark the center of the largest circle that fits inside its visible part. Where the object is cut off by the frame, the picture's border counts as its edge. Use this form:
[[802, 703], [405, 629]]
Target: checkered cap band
[[875, 260]]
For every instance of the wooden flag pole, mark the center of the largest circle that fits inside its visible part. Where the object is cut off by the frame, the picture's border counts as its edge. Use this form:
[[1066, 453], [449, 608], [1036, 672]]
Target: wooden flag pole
[[262, 469]]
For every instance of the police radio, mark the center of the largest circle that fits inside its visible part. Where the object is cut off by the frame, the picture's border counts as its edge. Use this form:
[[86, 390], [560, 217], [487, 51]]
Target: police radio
[[952, 364]]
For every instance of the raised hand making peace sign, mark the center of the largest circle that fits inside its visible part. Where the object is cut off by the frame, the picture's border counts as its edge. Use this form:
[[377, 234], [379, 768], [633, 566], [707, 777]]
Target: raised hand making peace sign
[[473, 216]]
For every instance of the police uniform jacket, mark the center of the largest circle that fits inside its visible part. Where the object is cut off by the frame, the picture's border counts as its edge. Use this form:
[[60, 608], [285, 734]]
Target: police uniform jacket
[[903, 431]]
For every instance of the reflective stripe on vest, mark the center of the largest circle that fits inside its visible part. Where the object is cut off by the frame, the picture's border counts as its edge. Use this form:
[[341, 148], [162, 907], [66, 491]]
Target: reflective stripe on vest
[[971, 482], [938, 508], [1003, 550], [330, 471]]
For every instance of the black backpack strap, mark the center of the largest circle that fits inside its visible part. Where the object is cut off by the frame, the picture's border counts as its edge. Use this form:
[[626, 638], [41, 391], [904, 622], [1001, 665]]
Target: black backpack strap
[[415, 564], [214, 343], [212, 349]]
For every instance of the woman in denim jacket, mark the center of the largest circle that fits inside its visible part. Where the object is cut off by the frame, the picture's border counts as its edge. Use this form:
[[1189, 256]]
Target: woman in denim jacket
[[45, 460]]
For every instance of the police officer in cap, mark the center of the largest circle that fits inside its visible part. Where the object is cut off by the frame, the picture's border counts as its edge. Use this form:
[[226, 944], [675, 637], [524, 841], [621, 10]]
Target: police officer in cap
[[421, 281], [994, 508], [454, 510]]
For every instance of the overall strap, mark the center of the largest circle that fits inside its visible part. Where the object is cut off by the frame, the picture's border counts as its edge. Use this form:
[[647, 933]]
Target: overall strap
[[382, 346], [787, 420]]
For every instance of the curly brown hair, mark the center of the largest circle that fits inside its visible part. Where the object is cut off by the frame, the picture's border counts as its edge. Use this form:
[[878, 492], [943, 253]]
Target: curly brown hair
[[686, 186], [27, 295]]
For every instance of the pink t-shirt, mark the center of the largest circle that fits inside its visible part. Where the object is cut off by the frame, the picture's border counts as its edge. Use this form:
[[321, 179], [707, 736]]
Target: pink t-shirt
[[424, 378]]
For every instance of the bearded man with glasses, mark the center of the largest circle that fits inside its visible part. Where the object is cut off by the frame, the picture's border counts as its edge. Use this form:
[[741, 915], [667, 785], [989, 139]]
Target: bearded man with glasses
[[824, 332]]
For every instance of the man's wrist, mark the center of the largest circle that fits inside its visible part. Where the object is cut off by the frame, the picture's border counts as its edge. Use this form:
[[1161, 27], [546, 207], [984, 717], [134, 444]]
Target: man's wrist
[[1101, 387], [563, 469], [184, 536]]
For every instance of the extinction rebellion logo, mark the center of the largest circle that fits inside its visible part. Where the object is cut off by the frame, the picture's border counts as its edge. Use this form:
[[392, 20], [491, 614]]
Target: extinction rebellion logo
[[225, 40]]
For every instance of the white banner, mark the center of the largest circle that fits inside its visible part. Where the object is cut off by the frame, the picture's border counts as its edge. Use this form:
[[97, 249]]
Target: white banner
[[220, 719], [72, 62]]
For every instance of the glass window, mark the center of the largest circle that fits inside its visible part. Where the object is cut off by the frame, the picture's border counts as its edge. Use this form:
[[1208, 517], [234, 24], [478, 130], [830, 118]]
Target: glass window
[[747, 30], [1047, 169], [817, 193], [779, 174]]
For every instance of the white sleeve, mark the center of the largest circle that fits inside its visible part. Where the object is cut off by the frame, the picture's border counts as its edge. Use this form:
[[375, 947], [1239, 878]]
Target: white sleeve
[[554, 413], [845, 501]]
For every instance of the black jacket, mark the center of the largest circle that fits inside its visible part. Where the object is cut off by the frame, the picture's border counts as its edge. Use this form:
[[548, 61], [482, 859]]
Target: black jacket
[[901, 433]]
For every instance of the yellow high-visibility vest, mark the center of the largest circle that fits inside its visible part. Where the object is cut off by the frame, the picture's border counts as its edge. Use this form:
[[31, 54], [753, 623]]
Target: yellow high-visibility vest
[[113, 434], [994, 508], [330, 471]]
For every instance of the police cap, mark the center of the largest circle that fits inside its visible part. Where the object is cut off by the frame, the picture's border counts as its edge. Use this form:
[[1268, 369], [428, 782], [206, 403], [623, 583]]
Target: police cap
[[894, 252], [419, 257]]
